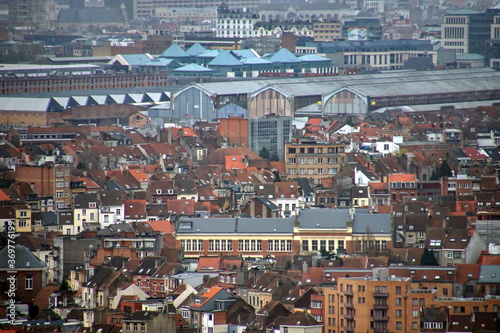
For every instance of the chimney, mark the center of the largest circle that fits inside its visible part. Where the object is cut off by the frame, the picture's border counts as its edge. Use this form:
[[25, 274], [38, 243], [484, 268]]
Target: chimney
[[304, 267]]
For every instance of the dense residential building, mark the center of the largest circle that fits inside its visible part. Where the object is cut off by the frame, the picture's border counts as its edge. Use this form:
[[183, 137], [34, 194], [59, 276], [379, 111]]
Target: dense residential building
[[314, 160]]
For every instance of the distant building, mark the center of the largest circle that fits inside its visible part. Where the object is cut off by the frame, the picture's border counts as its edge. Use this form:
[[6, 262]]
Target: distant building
[[271, 133], [314, 160], [235, 23], [467, 31]]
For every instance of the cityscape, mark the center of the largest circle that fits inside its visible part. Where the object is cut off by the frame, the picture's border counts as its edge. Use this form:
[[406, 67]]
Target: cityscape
[[250, 166]]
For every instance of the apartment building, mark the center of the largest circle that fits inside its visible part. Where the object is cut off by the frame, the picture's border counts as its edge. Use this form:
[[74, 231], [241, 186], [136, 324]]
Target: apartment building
[[49, 180], [327, 31], [235, 23], [314, 160]]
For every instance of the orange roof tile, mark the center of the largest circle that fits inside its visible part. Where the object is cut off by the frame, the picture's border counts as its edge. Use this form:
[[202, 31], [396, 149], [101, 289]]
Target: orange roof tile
[[162, 225], [405, 177], [207, 295], [3, 196], [235, 162]]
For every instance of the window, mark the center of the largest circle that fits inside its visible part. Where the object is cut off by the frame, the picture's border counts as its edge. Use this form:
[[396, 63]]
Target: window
[[316, 304], [92, 205], [305, 245], [414, 313], [28, 282], [398, 290], [398, 301], [310, 161], [23, 224], [320, 160], [292, 160], [414, 326], [315, 245], [59, 184], [398, 313], [433, 325], [399, 325], [302, 160]]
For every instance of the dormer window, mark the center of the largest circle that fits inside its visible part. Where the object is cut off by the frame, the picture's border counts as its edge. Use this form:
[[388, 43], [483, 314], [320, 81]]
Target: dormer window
[[158, 191]]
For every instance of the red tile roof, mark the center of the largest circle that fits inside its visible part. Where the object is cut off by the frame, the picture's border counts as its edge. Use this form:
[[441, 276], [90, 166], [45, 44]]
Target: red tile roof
[[405, 177], [209, 263]]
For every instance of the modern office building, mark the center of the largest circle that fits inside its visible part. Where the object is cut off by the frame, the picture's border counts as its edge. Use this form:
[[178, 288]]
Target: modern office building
[[270, 132], [468, 31]]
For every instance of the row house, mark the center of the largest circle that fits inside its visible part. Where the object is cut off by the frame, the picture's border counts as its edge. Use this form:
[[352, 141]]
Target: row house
[[460, 185]]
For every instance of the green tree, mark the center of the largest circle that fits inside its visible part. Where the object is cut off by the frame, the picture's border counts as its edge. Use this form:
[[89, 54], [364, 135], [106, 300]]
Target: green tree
[[277, 177], [428, 258], [434, 176], [64, 285], [264, 153], [325, 254], [274, 157], [444, 170]]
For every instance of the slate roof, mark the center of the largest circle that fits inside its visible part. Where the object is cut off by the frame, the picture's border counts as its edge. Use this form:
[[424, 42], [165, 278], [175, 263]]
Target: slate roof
[[136, 59], [233, 225], [378, 223], [267, 203], [324, 218], [489, 274], [24, 259]]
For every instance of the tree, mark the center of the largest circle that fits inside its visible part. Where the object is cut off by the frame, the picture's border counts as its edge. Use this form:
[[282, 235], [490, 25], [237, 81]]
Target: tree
[[325, 254], [274, 157], [64, 285], [264, 153], [277, 177], [434, 176], [444, 170], [428, 258]]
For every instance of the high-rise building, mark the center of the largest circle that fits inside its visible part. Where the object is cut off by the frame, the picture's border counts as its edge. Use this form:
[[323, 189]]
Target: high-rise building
[[271, 133], [40, 13]]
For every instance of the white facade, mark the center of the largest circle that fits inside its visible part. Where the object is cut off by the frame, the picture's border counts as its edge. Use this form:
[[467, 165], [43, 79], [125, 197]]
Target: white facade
[[111, 214], [236, 24]]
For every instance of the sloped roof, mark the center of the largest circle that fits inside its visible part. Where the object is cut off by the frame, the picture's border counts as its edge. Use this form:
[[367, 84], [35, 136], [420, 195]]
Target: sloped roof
[[225, 58], [313, 58], [136, 59], [196, 49], [174, 51], [24, 259], [284, 56], [193, 68]]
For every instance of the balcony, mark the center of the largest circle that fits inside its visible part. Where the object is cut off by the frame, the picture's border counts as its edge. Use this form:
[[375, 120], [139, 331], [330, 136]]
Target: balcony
[[384, 294], [349, 329], [349, 305], [380, 306], [349, 316], [348, 292], [380, 318], [380, 330]]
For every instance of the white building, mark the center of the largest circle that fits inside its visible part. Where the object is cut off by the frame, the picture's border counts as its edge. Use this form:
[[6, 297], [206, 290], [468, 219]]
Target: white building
[[235, 23]]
